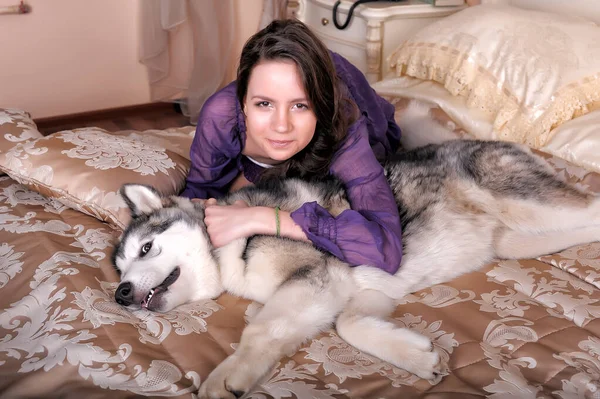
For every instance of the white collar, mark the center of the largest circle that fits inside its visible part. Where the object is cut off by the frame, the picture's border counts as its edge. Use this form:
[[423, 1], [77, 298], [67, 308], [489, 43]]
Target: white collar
[[264, 165]]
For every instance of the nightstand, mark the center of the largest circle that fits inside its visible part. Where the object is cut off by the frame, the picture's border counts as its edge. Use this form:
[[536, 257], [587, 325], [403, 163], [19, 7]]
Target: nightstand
[[376, 28]]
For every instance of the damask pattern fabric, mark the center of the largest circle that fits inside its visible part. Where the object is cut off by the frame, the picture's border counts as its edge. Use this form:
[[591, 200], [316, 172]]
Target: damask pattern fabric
[[85, 168], [514, 329], [16, 126], [529, 71]]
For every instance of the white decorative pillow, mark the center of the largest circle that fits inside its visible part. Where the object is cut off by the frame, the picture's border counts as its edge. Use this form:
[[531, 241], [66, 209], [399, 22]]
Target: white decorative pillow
[[528, 70], [578, 141]]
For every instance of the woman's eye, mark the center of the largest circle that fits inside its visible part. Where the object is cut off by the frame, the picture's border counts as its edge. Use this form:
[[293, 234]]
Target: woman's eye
[[145, 248], [262, 104], [301, 106]]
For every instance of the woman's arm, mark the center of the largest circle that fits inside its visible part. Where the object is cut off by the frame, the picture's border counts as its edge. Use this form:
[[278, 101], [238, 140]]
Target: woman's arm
[[384, 132], [226, 223], [369, 233]]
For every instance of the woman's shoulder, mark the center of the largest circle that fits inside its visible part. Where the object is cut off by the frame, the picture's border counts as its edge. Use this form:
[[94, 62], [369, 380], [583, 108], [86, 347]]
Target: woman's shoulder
[[221, 121], [222, 105], [346, 70]]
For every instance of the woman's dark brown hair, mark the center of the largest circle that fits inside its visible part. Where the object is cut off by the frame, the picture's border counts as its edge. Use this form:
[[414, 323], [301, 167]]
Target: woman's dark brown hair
[[292, 40]]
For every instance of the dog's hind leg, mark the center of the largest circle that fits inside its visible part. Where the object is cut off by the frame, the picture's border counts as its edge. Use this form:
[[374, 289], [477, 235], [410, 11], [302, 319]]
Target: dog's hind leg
[[362, 325], [510, 244], [550, 214], [524, 194], [299, 310], [522, 191]]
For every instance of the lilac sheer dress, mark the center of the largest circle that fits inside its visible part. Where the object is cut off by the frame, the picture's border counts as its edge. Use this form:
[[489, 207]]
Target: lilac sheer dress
[[369, 233]]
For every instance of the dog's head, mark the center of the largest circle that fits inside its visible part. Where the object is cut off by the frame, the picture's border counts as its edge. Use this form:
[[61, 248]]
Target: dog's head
[[164, 256]]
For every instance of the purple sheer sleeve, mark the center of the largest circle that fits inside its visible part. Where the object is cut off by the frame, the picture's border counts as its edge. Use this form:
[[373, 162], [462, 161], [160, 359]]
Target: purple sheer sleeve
[[384, 132], [369, 233], [215, 150]]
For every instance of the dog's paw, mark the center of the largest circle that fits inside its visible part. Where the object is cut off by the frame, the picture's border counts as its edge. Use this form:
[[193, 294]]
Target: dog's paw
[[214, 388], [230, 380], [426, 365], [416, 355]]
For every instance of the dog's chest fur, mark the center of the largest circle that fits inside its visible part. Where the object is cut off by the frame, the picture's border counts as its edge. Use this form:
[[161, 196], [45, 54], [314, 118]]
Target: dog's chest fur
[[257, 267]]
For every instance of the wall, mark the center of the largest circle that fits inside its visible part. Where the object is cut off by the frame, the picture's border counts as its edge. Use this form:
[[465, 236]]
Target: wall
[[71, 56]]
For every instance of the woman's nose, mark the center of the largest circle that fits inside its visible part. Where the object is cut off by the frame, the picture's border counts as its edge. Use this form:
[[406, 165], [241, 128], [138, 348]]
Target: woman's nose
[[282, 121]]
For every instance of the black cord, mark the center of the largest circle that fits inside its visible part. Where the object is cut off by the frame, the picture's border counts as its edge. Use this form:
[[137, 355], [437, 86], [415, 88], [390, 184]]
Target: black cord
[[335, 7]]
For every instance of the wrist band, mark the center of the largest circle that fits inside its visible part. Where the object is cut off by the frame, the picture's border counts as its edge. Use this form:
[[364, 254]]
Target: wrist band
[[277, 220]]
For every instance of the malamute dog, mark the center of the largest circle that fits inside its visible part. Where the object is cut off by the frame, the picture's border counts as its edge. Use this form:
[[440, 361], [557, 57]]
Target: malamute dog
[[462, 204]]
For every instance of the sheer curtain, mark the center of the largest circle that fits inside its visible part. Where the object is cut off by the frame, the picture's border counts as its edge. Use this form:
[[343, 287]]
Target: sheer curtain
[[272, 9], [186, 47]]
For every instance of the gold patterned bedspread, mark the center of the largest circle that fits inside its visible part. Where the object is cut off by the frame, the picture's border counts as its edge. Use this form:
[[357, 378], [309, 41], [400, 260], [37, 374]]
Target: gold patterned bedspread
[[515, 329]]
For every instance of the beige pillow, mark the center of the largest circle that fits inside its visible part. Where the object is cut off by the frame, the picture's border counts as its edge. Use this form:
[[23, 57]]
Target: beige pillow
[[528, 70], [16, 126], [85, 168]]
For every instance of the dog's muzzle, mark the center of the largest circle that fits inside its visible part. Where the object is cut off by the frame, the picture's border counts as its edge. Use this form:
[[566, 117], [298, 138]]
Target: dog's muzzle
[[125, 295]]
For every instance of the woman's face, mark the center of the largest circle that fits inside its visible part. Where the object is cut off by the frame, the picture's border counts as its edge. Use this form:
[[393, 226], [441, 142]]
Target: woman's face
[[279, 120]]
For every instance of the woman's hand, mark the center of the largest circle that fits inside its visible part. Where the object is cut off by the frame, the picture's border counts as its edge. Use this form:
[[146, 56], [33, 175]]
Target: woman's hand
[[226, 223]]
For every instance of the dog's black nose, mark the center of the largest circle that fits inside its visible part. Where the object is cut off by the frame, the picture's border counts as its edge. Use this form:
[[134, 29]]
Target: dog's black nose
[[124, 294]]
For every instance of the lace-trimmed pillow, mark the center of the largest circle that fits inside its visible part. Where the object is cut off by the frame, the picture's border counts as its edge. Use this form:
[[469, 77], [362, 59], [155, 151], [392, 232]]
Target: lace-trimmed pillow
[[528, 70], [85, 168]]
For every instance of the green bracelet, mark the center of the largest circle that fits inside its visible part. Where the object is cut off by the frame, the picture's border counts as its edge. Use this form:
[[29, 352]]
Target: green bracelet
[[277, 220]]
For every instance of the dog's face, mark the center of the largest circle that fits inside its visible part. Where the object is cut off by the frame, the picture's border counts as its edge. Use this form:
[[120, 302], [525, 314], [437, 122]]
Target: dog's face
[[164, 256]]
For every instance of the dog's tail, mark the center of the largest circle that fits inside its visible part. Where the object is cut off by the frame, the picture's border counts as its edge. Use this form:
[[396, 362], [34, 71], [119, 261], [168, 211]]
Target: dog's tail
[[419, 128]]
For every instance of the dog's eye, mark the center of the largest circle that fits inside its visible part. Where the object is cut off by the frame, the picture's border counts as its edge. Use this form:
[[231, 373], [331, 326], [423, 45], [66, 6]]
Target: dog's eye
[[145, 248]]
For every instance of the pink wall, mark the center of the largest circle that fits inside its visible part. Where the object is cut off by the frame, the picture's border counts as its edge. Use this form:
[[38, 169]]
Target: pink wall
[[71, 56]]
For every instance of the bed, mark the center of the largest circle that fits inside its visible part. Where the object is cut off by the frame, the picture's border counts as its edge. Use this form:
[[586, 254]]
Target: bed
[[514, 329]]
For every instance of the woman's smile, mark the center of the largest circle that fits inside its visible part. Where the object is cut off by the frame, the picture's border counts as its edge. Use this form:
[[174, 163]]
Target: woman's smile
[[279, 144]]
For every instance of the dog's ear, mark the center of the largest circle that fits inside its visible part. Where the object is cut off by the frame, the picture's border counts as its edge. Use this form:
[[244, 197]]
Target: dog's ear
[[141, 199]]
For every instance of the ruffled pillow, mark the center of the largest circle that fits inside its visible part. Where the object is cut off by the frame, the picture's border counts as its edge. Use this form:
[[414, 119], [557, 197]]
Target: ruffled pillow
[[529, 71]]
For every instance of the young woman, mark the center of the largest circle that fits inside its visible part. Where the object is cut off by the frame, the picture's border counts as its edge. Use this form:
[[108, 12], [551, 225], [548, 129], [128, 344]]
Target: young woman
[[297, 109]]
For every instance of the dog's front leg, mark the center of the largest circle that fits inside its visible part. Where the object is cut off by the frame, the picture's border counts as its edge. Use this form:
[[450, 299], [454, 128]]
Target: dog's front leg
[[297, 311], [233, 267], [363, 325]]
